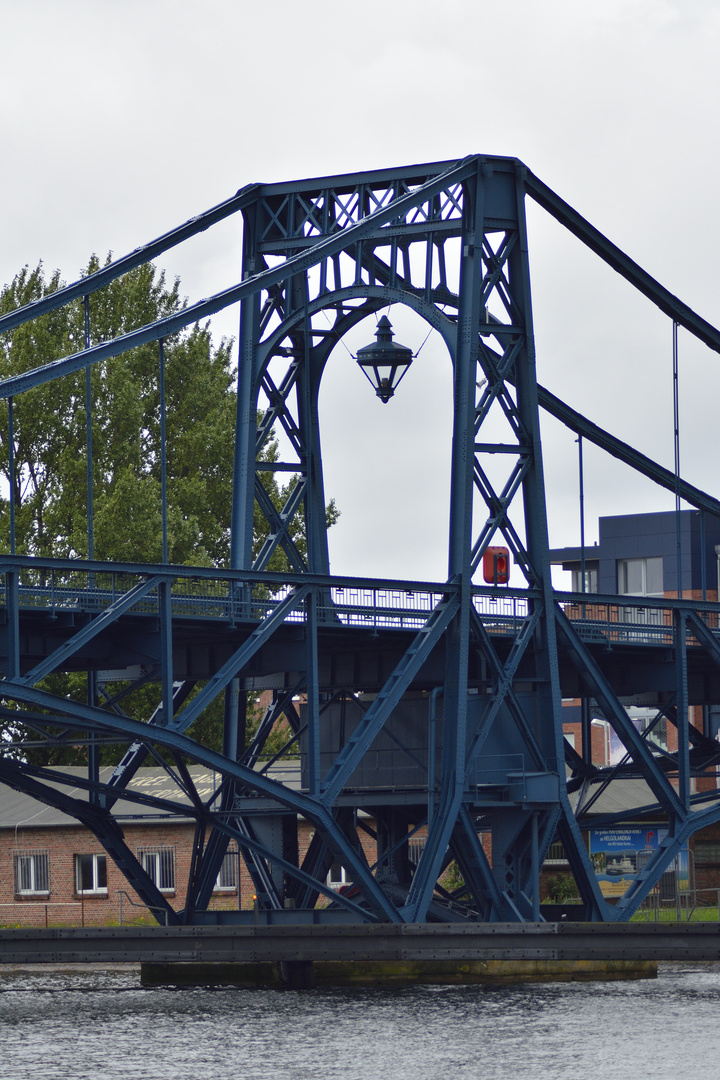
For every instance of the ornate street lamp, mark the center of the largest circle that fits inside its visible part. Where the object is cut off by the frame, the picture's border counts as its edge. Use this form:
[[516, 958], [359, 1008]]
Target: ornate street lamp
[[384, 362]]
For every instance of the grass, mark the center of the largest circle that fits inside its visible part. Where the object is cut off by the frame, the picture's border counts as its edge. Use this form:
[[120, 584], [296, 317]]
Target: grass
[[669, 915]]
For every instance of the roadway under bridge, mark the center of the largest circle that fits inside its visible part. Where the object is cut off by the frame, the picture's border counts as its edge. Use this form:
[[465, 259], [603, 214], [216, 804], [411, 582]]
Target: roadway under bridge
[[431, 709]]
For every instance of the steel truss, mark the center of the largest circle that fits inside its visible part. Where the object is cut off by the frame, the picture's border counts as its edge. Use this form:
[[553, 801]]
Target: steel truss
[[462, 682]]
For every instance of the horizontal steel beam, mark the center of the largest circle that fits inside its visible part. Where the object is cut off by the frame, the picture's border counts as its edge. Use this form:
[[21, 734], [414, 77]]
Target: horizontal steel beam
[[386, 942]]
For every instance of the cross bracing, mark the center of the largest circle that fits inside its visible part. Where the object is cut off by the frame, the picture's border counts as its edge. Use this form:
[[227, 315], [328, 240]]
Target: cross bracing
[[452, 689]]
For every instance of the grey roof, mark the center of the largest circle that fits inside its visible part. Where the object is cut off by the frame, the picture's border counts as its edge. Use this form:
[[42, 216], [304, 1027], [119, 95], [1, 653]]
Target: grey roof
[[22, 811], [18, 810], [620, 796]]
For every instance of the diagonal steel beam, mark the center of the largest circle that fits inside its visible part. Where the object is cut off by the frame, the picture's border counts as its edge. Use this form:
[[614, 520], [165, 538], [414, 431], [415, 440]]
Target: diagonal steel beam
[[295, 264], [479, 866], [626, 453], [100, 823], [87, 716], [244, 197], [504, 675], [93, 628], [182, 720], [669, 304], [371, 724], [615, 713], [705, 636]]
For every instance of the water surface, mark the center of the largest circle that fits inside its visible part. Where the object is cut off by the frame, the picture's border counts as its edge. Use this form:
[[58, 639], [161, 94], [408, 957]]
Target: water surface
[[96, 1024]]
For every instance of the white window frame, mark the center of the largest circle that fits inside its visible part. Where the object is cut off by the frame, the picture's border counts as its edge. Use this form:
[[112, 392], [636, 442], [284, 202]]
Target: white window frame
[[159, 864], [227, 879], [337, 877], [98, 872], [622, 574], [31, 873], [591, 580]]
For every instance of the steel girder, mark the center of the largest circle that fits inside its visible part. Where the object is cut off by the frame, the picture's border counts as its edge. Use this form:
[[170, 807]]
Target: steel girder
[[449, 241]]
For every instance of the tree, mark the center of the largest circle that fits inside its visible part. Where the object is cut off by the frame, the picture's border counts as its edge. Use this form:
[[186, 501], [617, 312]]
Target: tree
[[50, 490], [50, 463]]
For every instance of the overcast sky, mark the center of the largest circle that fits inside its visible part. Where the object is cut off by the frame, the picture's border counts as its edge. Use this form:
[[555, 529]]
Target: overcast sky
[[123, 118]]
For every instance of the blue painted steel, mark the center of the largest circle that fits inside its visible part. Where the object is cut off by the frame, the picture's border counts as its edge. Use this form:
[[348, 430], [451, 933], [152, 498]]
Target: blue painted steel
[[462, 683]]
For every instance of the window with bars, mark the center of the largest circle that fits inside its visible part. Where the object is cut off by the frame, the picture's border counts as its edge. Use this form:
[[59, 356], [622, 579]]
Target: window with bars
[[415, 849], [31, 873], [556, 854], [159, 864], [227, 879], [90, 874]]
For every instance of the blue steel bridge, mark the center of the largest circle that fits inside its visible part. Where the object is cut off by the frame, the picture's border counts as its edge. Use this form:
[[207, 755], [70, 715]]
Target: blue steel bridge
[[422, 710]]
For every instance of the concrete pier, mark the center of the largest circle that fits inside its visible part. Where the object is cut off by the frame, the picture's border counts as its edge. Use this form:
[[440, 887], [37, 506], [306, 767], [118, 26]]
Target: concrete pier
[[304, 975]]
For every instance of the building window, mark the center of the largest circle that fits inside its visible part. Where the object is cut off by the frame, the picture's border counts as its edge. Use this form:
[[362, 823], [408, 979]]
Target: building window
[[159, 864], [707, 853], [415, 849], [337, 876], [90, 874], [31, 873], [591, 580], [556, 855], [227, 879], [640, 577]]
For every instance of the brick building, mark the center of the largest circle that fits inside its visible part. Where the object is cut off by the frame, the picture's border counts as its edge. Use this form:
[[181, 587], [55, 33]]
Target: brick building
[[53, 871], [645, 555]]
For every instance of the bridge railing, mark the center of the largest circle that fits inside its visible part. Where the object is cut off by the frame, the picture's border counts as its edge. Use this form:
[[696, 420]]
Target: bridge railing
[[199, 594], [635, 620]]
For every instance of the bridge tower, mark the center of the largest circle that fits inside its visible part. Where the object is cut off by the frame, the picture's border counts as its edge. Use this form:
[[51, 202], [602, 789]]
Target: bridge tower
[[432, 710]]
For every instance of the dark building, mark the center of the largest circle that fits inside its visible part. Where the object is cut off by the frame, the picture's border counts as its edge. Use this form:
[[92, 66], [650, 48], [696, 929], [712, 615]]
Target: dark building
[[637, 555]]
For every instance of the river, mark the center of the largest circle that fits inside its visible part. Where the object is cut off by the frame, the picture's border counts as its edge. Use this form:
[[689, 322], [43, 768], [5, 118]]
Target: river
[[104, 1025]]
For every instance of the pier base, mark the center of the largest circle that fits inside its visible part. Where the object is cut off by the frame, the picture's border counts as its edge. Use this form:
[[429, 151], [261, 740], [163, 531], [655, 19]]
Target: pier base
[[303, 975]]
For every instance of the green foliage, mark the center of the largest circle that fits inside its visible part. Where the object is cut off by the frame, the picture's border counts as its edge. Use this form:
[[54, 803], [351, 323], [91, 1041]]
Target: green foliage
[[50, 487], [50, 429], [561, 888]]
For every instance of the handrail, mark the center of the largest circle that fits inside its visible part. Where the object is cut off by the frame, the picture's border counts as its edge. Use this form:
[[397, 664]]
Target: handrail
[[133, 903]]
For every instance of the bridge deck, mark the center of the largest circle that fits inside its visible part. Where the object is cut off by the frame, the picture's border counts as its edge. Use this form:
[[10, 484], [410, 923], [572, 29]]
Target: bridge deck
[[363, 630], [386, 942]]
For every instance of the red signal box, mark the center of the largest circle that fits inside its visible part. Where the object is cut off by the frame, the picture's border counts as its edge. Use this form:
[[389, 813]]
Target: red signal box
[[496, 566]]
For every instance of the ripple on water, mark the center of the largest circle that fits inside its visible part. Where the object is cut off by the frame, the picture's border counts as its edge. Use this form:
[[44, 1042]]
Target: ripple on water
[[99, 1024]]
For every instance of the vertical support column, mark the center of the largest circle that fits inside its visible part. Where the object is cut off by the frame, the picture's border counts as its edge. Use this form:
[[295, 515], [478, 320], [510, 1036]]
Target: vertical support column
[[452, 760], [462, 485], [235, 721], [93, 748], [683, 733], [241, 527], [12, 577], [163, 453], [11, 470], [12, 594], [547, 719], [585, 721], [313, 695], [88, 437], [241, 534], [166, 655], [308, 389], [548, 711]]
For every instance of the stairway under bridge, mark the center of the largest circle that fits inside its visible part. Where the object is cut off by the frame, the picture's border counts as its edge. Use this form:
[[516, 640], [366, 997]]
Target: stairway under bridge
[[421, 711]]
